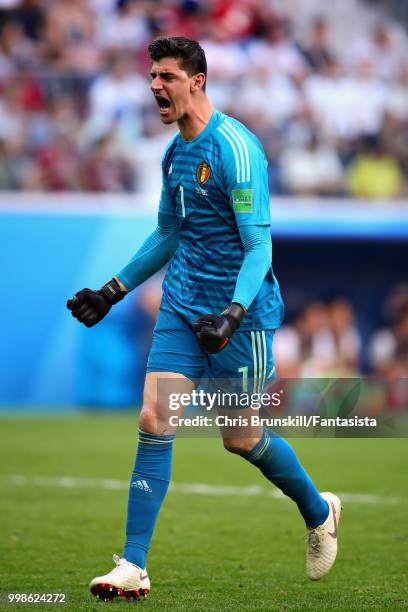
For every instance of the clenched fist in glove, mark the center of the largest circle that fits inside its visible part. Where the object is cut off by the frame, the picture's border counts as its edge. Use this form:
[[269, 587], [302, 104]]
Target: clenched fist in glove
[[214, 331], [90, 307]]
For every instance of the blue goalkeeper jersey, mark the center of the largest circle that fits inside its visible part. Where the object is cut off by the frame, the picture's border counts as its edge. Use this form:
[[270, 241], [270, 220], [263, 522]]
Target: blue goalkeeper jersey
[[215, 184]]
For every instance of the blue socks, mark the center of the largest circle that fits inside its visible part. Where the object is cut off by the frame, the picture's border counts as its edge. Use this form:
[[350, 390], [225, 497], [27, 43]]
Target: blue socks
[[151, 476], [278, 463], [148, 487]]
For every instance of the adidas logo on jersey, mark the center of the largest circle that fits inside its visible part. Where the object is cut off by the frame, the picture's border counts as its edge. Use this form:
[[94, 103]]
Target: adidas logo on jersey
[[142, 485], [201, 191]]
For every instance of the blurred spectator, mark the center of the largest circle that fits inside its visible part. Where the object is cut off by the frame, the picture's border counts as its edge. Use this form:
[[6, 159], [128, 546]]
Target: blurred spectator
[[30, 14], [312, 169], [276, 51], [323, 339], [16, 48], [257, 95], [346, 335], [126, 28], [9, 167], [397, 97], [287, 352], [70, 36], [336, 101], [11, 115], [103, 169], [318, 50], [388, 350], [179, 18], [368, 117], [145, 158], [396, 303], [239, 20], [59, 164], [374, 174], [388, 347], [18, 170], [118, 96], [317, 344], [227, 62], [327, 94], [382, 50]]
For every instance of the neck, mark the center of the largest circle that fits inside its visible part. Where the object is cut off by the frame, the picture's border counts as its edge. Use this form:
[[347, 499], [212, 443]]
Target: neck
[[195, 119]]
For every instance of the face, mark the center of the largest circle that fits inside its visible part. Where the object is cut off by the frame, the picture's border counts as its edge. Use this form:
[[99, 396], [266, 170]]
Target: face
[[173, 89]]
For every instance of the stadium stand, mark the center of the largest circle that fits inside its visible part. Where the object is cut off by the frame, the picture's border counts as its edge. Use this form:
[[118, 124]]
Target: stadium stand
[[75, 105]]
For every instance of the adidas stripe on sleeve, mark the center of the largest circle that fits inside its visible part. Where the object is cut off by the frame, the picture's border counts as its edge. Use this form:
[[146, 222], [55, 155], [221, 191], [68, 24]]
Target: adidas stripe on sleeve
[[245, 173]]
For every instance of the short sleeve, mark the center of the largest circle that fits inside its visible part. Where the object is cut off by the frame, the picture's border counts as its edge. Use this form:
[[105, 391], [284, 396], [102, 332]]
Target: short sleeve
[[245, 174]]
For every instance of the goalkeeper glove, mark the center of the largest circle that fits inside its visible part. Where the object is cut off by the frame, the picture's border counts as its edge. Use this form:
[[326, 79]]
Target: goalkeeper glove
[[215, 331], [90, 307]]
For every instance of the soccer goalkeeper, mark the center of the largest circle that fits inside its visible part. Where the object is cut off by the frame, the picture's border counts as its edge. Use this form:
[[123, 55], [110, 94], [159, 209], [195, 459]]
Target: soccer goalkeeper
[[214, 229]]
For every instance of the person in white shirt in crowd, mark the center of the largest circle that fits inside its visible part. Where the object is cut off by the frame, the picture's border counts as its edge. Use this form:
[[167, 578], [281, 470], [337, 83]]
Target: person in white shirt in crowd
[[322, 339], [124, 28], [397, 96], [275, 96], [118, 97], [227, 64], [335, 100], [311, 168], [388, 346], [146, 159], [345, 333], [70, 35], [384, 48], [276, 51]]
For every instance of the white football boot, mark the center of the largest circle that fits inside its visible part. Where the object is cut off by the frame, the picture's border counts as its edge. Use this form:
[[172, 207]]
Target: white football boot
[[322, 541], [125, 580]]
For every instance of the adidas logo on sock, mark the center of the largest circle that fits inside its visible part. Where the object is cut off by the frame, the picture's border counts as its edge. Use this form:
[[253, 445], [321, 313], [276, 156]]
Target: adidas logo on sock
[[142, 485]]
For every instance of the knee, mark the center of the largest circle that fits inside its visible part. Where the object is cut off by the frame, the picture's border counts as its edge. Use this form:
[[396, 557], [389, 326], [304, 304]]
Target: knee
[[239, 446], [153, 421], [149, 421]]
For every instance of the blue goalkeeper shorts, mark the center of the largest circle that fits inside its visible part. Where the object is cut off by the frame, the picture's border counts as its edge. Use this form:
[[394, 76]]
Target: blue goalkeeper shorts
[[247, 356]]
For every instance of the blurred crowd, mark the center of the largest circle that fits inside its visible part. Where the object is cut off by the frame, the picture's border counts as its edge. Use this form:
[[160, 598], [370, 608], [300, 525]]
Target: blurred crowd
[[324, 339], [76, 112]]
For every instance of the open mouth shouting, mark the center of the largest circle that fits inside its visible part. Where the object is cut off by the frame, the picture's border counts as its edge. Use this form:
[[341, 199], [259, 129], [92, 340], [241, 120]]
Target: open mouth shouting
[[163, 103]]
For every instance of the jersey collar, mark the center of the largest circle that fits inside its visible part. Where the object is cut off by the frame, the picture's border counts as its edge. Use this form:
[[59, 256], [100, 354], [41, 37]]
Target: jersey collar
[[210, 127]]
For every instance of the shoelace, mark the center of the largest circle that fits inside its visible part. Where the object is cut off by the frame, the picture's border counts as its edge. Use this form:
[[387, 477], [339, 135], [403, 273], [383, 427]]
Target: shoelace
[[314, 540], [120, 565]]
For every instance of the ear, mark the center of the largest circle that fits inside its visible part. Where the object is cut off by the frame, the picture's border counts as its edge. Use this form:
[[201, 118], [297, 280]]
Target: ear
[[197, 82]]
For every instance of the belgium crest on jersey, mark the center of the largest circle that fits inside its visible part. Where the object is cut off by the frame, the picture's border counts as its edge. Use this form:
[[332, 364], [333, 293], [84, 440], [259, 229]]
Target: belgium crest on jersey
[[203, 172]]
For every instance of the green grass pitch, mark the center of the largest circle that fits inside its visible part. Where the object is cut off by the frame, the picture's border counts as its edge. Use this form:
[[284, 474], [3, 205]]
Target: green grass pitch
[[210, 551]]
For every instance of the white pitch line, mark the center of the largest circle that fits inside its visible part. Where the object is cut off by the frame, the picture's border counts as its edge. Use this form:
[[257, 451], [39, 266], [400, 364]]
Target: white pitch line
[[69, 482]]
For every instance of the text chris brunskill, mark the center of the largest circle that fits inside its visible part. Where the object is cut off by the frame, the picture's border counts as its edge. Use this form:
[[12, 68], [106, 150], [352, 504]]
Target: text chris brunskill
[[255, 420]]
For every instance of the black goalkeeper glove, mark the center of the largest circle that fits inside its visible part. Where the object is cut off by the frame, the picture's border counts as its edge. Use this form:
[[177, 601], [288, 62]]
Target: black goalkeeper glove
[[90, 307], [214, 331]]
